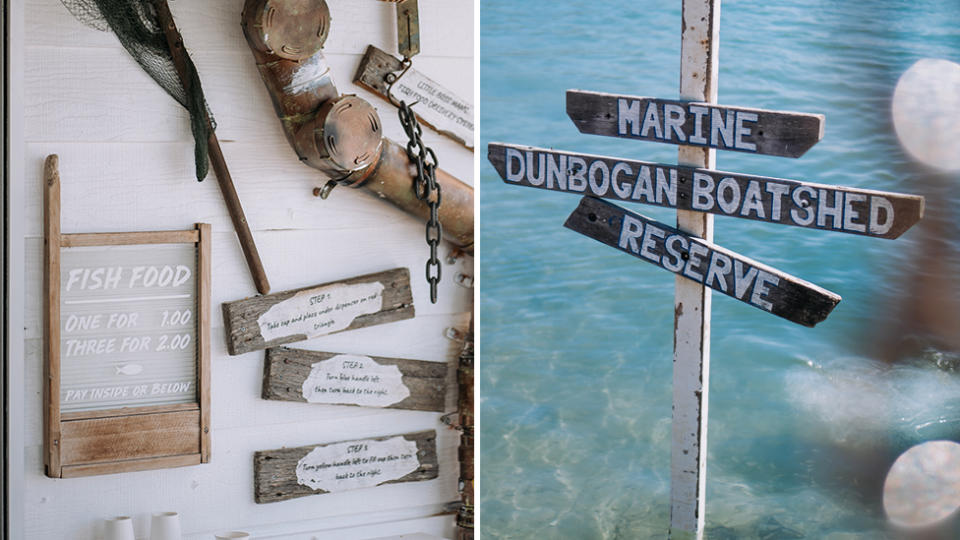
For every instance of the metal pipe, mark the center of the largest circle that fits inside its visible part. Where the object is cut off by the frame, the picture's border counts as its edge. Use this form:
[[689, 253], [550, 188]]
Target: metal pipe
[[391, 180], [339, 135]]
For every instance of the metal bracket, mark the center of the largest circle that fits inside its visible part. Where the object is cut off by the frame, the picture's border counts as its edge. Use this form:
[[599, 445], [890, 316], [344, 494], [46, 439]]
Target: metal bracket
[[454, 255], [392, 77], [454, 334], [408, 28], [450, 420], [464, 280]]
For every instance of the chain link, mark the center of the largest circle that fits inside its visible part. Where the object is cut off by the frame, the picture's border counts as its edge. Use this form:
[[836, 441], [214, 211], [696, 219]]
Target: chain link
[[424, 185]]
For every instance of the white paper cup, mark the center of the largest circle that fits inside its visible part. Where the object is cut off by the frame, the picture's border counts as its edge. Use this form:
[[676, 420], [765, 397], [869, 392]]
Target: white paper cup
[[232, 534], [165, 526], [118, 528]]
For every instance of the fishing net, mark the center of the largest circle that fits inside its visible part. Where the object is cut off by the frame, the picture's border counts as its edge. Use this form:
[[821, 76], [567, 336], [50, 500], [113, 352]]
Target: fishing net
[[137, 26]]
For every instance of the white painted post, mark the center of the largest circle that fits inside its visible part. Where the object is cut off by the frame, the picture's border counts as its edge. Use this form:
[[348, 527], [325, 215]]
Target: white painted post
[[17, 396], [691, 352]]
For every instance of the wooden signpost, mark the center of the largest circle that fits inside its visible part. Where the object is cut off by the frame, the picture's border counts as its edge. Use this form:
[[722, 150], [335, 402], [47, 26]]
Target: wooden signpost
[[351, 379], [289, 473], [692, 302], [866, 212], [285, 317], [127, 348], [699, 126]]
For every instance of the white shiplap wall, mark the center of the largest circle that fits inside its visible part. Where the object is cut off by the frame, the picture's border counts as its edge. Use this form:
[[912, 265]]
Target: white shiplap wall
[[126, 158]]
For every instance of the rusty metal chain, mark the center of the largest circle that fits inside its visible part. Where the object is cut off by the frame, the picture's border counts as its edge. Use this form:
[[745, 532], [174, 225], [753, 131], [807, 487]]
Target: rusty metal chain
[[424, 187]]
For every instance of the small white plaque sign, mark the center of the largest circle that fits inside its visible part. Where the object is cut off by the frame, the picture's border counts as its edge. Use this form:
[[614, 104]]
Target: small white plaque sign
[[357, 464], [437, 106]]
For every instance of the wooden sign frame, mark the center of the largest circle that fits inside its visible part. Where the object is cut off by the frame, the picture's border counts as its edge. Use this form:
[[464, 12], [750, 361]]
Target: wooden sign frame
[[125, 439]]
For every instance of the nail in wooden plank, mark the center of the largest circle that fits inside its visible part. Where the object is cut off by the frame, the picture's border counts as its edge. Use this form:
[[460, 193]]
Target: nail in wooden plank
[[695, 123], [289, 473], [867, 212], [351, 379], [703, 262], [285, 317]]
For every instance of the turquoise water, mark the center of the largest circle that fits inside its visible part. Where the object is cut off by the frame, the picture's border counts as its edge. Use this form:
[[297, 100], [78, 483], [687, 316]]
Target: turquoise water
[[576, 341]]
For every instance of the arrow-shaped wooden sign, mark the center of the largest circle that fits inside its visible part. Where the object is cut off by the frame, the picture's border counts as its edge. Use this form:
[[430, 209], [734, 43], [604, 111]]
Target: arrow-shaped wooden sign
[[776, 200], [703, 262], [756, 131]]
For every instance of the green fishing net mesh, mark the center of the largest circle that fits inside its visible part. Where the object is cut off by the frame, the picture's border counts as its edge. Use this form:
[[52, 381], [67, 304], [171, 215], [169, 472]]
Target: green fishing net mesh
[[136, 25]]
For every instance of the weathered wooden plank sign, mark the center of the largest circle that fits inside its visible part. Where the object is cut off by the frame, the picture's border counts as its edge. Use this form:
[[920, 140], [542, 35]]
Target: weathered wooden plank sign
[[435, 106], [289, 473], [285, 317], [776, 200], [127, 347], [756, 131], [703, 262], [353, 379]]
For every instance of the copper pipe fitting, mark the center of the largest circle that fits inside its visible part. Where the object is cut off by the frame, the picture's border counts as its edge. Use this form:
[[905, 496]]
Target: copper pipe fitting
[[339, 135]]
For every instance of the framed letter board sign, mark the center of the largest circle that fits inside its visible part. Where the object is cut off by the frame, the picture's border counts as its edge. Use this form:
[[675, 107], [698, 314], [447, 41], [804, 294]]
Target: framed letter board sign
[[127, 347]]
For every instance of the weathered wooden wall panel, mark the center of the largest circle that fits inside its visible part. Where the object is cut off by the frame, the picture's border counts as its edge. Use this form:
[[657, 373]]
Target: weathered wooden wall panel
[[127, 165]]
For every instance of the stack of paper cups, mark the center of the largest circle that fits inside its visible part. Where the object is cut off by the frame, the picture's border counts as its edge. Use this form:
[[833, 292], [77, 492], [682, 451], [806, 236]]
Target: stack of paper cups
[[165, 526], [118, 528]]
